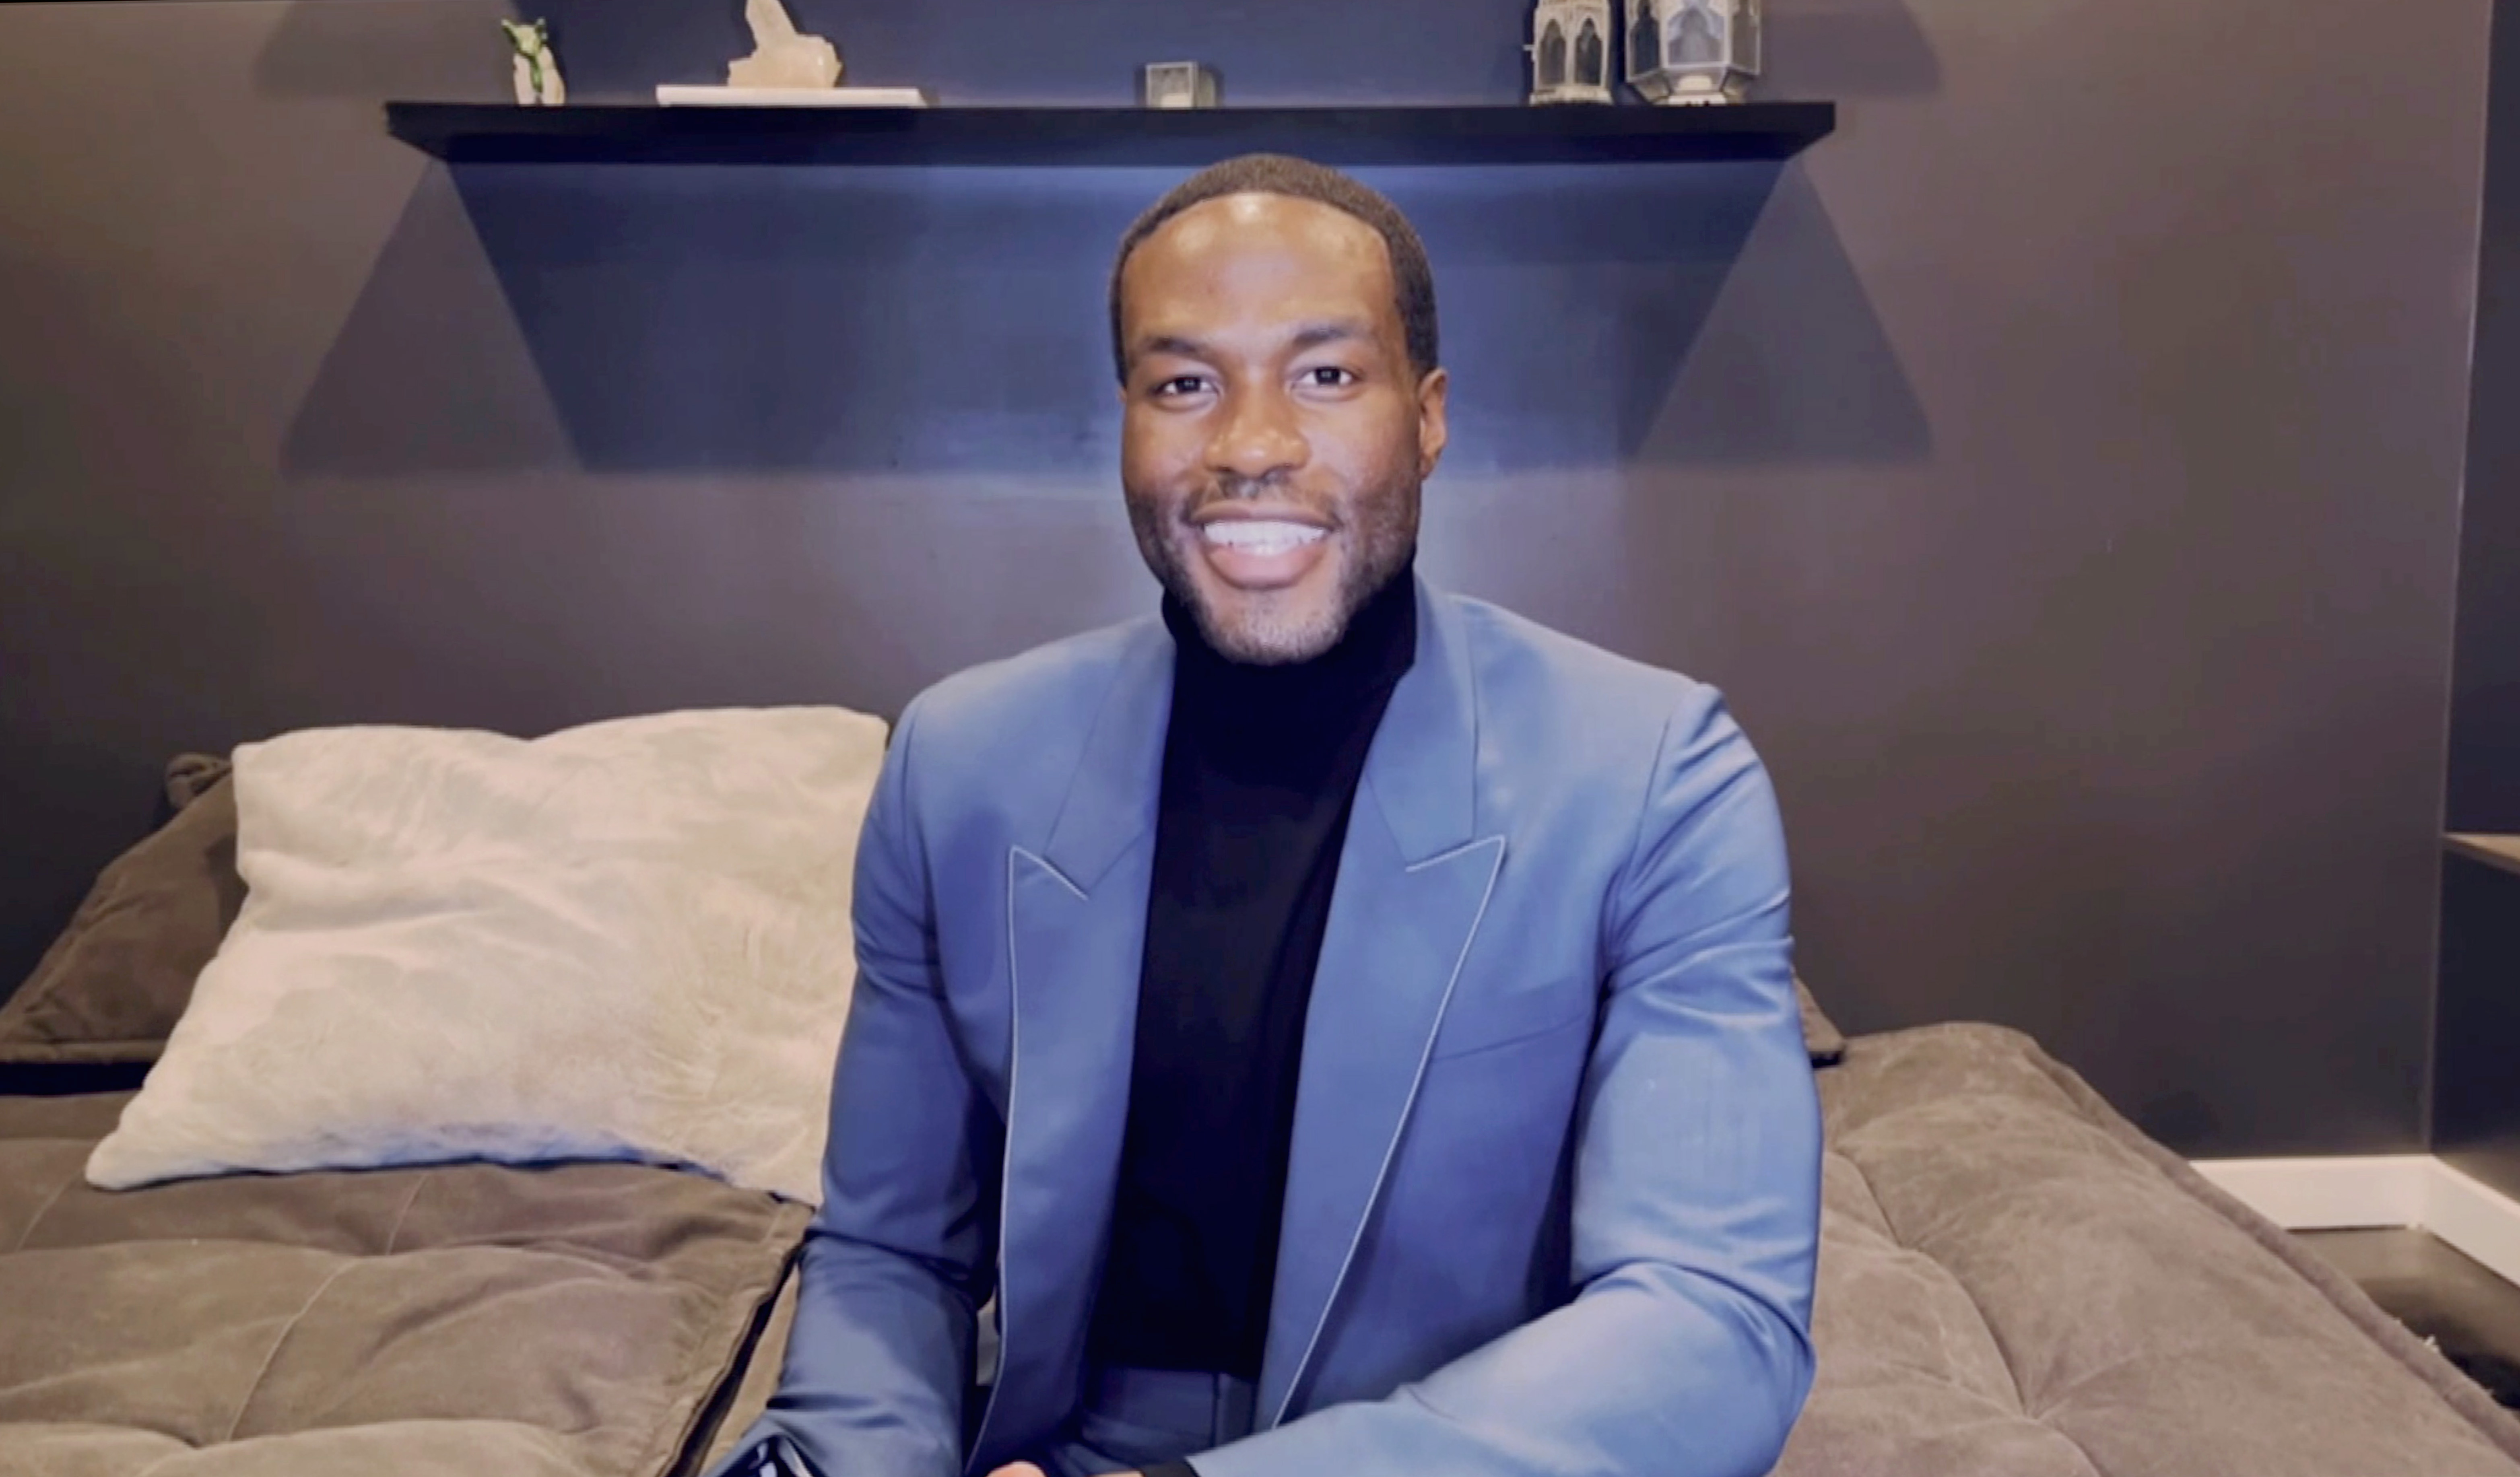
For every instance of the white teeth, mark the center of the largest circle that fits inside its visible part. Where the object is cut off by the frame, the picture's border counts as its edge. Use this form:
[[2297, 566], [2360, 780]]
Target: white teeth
[[1261, 535]]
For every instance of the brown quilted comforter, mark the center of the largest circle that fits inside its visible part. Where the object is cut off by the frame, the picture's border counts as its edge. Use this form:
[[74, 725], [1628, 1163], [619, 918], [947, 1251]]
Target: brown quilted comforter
[[2016, 1283], [473, 1320]]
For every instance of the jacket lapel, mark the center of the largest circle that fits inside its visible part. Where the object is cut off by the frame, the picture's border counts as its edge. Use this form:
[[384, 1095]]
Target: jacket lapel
[[1076, 923], [1414, 881]]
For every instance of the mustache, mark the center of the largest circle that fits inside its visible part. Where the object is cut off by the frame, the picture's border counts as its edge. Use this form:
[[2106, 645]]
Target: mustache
[[1229, 489]]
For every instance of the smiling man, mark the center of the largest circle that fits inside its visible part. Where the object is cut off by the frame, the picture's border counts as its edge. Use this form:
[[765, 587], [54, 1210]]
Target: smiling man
[[1349, 1029]]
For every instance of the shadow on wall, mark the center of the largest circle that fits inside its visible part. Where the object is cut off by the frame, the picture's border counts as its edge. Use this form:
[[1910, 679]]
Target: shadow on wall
[[1849, 49], [640, 319], [628, 319]]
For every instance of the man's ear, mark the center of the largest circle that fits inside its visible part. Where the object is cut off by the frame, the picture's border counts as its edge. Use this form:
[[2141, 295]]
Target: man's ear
[[1433, 430]]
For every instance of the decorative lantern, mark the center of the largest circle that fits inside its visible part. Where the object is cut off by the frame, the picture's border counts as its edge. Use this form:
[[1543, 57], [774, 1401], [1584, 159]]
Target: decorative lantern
[[1571, 50], [1692, 51], [1176, 84]]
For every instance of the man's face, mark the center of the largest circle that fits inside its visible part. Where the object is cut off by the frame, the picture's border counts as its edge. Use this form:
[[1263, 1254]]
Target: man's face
[[1276, 435]]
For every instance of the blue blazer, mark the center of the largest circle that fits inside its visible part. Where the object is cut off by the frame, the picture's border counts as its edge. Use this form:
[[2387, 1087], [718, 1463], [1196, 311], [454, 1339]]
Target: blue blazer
[[1554, 1195]]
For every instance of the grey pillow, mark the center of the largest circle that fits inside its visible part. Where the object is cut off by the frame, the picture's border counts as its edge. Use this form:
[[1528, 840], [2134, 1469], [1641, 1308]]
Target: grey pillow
[[114, 982], [1820, 1036]]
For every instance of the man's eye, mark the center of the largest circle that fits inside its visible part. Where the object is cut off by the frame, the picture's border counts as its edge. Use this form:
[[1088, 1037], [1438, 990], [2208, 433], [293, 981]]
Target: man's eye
[[1182, 385], [1330, 377]]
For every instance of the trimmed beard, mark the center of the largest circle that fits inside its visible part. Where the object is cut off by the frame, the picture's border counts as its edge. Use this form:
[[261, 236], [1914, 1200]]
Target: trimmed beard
[[1383, 542]]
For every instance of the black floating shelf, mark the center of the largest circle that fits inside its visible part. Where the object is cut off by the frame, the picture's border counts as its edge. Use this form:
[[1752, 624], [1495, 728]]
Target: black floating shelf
[[467, 133]]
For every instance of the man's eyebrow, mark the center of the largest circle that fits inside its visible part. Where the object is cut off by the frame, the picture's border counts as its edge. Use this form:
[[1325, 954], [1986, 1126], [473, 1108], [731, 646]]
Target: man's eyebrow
[[1310, 335], [1168, 343]]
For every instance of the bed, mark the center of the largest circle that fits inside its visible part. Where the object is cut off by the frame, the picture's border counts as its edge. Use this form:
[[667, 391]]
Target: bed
[[580, 1316], [2013, 1280], [579, 1320]]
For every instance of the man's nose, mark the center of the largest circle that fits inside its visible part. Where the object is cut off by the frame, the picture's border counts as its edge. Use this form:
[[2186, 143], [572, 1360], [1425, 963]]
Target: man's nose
[[1257, 437]]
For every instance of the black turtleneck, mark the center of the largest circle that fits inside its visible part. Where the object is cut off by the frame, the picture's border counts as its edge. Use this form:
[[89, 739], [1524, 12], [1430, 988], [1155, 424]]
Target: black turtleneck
[[1261, 765]]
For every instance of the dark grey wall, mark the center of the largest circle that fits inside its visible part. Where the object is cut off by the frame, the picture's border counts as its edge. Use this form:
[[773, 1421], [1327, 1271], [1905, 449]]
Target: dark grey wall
[[2476, 1103], [2485, 713], [2059, 467], [2476, 1088]]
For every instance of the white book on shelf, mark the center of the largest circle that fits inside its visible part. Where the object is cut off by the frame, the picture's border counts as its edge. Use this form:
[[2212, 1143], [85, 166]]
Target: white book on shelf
[[681, 95]]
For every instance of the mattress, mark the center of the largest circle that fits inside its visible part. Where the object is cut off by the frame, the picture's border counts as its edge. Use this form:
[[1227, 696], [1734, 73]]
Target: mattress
[[562, 1321], [2014, 1280]]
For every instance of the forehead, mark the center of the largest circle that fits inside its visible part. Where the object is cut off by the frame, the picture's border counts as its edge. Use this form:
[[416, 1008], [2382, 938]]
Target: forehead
[[1274, 255]]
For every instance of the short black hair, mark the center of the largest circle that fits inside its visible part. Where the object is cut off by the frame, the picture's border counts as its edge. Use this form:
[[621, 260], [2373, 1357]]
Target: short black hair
[[1301, 179]]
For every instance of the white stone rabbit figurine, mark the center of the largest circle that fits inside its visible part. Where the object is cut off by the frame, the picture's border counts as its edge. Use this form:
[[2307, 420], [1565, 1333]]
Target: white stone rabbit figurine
[[781, 56]]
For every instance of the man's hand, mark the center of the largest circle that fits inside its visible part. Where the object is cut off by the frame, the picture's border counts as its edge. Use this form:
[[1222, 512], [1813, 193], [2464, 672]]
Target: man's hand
[[1027, 1469]]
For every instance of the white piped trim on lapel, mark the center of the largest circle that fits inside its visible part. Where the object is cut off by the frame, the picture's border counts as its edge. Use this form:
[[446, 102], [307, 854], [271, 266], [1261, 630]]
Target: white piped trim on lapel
[[1007, 1149], [1391, 1150]]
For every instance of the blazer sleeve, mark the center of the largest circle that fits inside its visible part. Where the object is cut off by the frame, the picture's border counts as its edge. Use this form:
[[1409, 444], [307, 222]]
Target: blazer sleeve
[[1687, 1350], [901, 1254]]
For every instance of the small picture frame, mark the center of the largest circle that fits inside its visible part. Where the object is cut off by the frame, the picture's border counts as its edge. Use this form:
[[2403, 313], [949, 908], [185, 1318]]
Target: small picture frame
[[1178, 84]]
